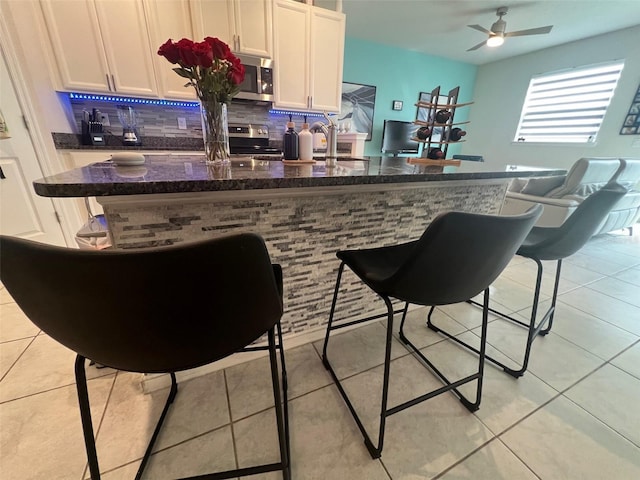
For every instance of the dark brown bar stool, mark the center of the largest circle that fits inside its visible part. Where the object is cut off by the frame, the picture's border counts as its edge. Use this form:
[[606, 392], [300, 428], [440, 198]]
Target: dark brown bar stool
[[553, 244], [161, 310], [458, 256]]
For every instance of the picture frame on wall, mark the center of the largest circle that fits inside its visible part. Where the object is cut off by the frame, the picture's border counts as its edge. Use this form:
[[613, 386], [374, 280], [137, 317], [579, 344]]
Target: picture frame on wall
[[358, 106], [631, 123]]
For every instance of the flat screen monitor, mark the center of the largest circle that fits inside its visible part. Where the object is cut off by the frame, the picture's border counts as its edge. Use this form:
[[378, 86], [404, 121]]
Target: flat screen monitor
[[396, 137]]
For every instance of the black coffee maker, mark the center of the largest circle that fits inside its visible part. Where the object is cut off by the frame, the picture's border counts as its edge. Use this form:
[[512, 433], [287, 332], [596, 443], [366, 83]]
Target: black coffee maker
[[129, 119]]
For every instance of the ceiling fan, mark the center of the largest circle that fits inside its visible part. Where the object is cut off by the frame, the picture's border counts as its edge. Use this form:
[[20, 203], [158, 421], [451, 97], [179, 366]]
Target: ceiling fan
[[497, 34]]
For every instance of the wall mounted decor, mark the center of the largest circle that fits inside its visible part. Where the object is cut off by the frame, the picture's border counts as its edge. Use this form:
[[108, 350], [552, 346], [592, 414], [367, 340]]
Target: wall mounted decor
[[358, 104], [397, 105], [631, 125]]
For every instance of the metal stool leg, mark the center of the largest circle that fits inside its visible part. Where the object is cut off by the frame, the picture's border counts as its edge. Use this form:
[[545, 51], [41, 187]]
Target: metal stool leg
[[533, 329], [552, 309], [281, 407], [373, 450], [376, 451], [85, 416], [471, 406], [87, 424]]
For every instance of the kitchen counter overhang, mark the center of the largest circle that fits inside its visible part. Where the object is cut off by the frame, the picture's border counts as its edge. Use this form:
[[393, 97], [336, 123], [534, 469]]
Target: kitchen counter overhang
[[305, 213], [162, 174]]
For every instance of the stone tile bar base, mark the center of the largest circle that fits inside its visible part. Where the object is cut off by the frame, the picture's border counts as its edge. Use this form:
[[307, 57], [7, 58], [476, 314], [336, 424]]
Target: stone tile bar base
[[303, 229]]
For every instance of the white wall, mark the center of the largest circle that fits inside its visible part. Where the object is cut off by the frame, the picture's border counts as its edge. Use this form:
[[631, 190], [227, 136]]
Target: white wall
[[502, 86]]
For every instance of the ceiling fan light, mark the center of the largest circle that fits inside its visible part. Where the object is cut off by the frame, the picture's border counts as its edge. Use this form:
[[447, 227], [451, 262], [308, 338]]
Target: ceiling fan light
[[495, 41]]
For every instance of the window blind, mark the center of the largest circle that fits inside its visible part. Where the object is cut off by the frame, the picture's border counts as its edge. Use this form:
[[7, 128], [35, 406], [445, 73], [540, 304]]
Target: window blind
[[568, 107]]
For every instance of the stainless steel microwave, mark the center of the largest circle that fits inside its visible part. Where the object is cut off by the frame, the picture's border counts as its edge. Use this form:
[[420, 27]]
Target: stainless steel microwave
[[258, 79]]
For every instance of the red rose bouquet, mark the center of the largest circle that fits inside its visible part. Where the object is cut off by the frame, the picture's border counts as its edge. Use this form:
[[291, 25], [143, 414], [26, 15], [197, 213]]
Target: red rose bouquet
[[210, 67], [216, 75]]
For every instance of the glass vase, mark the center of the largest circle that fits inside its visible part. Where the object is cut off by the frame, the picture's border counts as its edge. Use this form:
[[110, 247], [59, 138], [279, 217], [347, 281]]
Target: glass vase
[[215, 132]]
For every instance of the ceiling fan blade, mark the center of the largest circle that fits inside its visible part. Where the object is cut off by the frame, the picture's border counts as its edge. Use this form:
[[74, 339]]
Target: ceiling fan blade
[[480, 29], [531, 31], [477, 46]]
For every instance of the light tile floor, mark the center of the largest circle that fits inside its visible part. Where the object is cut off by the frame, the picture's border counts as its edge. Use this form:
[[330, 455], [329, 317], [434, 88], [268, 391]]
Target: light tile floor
[[574, 415]]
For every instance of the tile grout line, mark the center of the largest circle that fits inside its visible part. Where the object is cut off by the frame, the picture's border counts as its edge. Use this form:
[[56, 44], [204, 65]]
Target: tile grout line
[[18, 358], [562, 394]]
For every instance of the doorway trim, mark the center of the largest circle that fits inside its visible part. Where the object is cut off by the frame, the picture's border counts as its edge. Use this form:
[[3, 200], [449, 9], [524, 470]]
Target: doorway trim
[[46, 154]]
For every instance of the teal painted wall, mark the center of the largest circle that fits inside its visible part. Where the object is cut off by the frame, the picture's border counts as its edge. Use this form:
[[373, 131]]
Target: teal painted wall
[[401, 74]]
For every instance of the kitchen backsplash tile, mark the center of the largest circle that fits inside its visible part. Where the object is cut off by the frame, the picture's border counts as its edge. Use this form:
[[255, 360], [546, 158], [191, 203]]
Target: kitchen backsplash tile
[[162, 120]]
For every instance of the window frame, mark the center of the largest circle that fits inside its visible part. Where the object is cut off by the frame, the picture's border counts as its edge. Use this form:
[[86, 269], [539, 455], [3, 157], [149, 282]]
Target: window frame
[[571, 81]]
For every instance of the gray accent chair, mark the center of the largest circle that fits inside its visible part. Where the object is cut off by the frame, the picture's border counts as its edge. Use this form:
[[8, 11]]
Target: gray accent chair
[[626, 213], [560, 195]]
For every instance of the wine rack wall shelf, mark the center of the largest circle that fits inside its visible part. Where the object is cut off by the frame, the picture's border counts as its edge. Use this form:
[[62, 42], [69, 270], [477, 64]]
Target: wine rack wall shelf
[[438, 142], [438, 138], [434, 124], [442, 105], [433, 163]]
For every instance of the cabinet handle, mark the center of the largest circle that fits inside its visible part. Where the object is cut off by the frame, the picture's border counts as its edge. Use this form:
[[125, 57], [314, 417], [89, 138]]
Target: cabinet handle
[[2, 176], [108, 82], [113, 82], [238, 42]]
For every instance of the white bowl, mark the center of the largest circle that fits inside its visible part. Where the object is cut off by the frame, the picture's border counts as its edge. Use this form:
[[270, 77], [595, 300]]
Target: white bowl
[[127, 158]]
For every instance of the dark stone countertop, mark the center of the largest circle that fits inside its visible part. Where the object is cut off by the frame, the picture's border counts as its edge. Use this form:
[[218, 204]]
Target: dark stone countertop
[[72, 141], [188, 173]]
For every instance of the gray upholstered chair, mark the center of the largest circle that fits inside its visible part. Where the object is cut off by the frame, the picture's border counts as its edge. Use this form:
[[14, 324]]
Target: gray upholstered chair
[[626, 212], [560, 195]]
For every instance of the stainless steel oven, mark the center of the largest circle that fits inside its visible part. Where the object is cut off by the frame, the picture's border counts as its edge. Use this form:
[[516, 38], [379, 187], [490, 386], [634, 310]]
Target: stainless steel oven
[[248, 139], [258, 79]]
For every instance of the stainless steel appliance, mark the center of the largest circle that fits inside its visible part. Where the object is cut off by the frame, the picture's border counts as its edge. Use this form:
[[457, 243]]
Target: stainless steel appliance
[[129, 119], [249, 139], [258, 79]]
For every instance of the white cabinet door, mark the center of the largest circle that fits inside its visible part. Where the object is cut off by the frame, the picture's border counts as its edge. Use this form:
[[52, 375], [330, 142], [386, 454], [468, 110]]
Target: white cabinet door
[[75, 37], [326, 59], [213, 18], [101, 45], [169, 19], [245, 25], [253, 21], [291, 21], [23, 213], [127, 47]]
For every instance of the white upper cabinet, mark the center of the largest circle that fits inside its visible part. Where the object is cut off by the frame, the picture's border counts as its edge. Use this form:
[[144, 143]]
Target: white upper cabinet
[[169, 19], [326, 59], [126, 44], [80, 57], [291, 22], [245, 25], [101, 45], [308, 54]]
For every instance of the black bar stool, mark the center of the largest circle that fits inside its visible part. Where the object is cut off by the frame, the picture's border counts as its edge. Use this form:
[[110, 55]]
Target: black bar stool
[[553, 244], [458, 256], [161, 310]]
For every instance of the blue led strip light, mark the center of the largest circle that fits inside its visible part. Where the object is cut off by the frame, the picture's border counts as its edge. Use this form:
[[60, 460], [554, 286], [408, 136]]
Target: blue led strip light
[[275, 111], [137, 101]]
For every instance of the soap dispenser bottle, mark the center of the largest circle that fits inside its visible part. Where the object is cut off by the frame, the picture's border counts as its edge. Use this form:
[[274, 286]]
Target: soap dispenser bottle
[[290, 142], [305, 141]]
